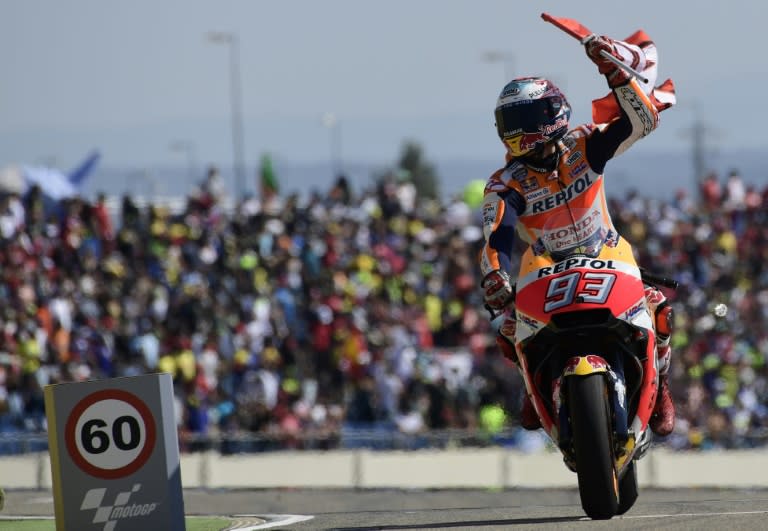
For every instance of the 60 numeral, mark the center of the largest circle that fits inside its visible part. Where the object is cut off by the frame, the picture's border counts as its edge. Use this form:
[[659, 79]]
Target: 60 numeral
[[126, 434]]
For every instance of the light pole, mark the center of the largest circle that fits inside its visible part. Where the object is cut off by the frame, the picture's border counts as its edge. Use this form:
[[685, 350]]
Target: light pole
[[506, 58], [231, 39], [187, 148], [331, 122]]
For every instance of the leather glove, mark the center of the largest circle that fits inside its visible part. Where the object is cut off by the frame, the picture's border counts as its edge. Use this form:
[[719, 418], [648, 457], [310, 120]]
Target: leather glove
[[616, 76], [498, 289]]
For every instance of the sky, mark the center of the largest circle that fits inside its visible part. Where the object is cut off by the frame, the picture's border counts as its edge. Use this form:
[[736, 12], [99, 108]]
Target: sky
[[132, 78]]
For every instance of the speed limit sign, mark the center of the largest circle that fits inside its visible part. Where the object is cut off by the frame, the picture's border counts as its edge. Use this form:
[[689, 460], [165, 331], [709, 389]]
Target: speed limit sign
[[115, 454], [110, 434]]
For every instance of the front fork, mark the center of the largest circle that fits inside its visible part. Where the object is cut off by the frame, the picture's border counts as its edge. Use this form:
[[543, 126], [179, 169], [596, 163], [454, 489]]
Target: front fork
[[580, 367]]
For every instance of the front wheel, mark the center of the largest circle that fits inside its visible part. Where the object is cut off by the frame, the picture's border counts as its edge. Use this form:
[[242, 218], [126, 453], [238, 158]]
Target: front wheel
[[591, 427], [628, 489]]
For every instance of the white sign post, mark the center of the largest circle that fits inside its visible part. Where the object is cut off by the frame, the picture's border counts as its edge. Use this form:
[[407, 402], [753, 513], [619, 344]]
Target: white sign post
[[115, 455]]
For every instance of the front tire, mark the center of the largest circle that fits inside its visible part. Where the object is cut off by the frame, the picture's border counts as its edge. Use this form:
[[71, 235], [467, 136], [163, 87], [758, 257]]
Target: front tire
[[592, 441], [628, 489]]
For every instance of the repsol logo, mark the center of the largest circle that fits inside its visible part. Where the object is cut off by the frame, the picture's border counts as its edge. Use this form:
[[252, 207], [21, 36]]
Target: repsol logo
[[555, 200], [592, 263]]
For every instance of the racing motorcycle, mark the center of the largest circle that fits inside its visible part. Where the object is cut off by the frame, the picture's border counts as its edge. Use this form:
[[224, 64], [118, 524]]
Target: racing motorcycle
[[586, 348]]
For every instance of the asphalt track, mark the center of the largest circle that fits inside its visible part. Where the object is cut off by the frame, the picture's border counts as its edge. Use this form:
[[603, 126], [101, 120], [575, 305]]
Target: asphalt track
[[350, 510]]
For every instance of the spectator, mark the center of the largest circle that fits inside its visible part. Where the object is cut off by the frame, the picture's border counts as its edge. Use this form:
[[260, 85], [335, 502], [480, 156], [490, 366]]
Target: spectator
[[711, 192], [288, 327]]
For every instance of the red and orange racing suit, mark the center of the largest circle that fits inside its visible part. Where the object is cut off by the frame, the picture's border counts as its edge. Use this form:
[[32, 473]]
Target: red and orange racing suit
[[520, 198]]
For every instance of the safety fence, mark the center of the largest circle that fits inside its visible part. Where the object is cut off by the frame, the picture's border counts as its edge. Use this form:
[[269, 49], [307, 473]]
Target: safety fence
[[377, 436]]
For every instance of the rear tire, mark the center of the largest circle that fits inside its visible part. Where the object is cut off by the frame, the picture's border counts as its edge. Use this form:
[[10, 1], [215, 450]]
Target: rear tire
[[592, 441], [628, 489]]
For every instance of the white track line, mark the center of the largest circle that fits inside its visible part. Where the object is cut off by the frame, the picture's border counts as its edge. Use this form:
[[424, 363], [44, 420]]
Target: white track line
[[729, 513], [274, 520]]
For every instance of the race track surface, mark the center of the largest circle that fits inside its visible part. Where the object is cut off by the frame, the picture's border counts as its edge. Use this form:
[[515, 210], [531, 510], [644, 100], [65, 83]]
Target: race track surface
[[350, 510]]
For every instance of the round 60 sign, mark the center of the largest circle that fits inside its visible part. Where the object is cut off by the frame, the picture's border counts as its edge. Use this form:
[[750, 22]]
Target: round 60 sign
[[110, 434]]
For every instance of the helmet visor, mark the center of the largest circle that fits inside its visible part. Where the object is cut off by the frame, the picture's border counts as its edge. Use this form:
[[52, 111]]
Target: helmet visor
[[532, 116]]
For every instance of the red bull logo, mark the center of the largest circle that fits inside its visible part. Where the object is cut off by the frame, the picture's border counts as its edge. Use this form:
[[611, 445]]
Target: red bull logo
[[529, 140]]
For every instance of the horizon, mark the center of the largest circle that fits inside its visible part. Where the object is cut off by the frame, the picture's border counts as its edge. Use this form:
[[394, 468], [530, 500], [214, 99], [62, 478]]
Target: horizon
[[649, 174]]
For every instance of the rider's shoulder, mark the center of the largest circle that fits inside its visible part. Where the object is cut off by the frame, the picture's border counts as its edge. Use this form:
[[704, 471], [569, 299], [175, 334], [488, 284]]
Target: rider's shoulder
[[577, 137], [580, 131], [510, 176]]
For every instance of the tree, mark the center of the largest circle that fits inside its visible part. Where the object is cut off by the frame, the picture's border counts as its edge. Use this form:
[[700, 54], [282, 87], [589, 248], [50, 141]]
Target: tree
[[421, 172]]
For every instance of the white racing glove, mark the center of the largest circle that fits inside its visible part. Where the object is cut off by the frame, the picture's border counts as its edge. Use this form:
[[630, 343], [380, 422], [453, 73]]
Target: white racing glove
[[499, 292], [616, 76]]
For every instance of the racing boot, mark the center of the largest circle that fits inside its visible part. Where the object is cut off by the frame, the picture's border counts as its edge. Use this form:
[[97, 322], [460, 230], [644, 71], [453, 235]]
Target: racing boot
[[529, 419], [662, 420]]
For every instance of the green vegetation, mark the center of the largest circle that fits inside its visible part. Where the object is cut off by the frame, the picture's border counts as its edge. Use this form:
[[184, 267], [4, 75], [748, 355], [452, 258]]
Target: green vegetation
[[422, 173], [412, 166]]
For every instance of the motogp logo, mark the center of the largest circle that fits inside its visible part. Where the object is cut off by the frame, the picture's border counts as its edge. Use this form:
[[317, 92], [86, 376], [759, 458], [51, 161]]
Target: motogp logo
[[120, 509]]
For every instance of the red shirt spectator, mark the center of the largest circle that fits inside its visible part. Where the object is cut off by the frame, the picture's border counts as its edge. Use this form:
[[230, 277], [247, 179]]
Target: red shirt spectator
[[711, 191]]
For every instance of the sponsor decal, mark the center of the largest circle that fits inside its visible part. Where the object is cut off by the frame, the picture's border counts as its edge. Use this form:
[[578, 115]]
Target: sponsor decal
[[529, 184], [541, 192], [557, 385], [569, 142], [582, 365], [573, 158], [511, 91], [518, 172], [527, 321], [495, 186], [489, 213], [634, 310], [119, 510], [529, 140], [537, 248], [571, 263], [512, 132], [579, 169], [612, 238], [555, 200], [551, 128], [553, 176], [619, 388], [569, 235]]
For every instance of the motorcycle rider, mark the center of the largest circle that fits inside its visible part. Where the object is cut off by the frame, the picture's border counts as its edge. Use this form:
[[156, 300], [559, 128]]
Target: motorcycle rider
[[550, 170]]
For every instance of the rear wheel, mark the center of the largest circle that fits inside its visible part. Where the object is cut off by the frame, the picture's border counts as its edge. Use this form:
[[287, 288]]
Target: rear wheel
[[590, 423], [628, 489]]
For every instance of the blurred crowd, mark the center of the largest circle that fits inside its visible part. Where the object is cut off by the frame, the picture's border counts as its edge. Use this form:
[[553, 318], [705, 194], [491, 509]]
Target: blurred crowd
[[290, 322], [716, 245]]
